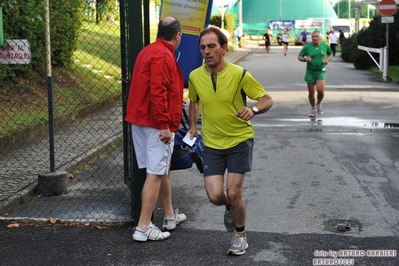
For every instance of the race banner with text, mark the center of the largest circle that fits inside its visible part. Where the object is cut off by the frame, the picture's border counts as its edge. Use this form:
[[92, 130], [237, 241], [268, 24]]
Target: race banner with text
[[194, 16], [309, 23], [282, 24]]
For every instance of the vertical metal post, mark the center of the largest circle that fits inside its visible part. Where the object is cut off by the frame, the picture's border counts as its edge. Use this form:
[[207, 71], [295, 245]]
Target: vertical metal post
[[1, 27], [135, 33], [146, 26], [240, 13], [385, 64], [222, 22], [386, 54], [349, 10], [49, 86]]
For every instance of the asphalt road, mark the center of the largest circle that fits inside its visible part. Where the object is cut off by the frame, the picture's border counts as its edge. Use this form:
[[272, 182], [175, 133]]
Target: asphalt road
[[322, 190]]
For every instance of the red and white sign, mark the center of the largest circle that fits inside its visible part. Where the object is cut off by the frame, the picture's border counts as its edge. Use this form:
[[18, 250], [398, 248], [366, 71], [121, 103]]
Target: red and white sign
[[387, 7], [15, 52]]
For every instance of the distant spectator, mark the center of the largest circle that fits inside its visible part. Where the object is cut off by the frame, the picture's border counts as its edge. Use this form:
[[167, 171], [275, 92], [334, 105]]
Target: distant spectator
[[235, 37], [266, 37], [341, 37], [328, 33], [333, 41], [304, 37], [239, 35], [286, 39]]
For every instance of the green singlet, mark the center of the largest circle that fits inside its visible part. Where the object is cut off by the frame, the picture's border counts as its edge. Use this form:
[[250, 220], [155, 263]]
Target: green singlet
[[315, 69]]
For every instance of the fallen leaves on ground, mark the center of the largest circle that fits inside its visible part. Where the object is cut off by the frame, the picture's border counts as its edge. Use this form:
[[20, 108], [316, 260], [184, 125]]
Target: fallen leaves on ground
[[13, 225]]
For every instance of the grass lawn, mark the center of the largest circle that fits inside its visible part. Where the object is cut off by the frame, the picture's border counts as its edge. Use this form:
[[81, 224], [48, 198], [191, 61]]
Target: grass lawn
[[393, 73], [94, 77]]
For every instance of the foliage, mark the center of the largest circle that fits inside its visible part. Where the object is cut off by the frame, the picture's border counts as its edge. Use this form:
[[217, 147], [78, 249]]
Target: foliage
[[374, 36], [157, 2], [101, 10], [393, 73], [216, 20], [229, 20], [349, 49], [66, 20], [92, 79], [342, 9], [25, 20]]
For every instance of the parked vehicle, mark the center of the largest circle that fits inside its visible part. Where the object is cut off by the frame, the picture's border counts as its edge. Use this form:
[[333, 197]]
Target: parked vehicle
[[343, 24]]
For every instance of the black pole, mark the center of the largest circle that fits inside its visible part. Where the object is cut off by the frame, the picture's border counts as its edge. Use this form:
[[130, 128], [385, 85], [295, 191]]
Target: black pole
[[49, 87], [387, 51], [51, 122], [133, 37]]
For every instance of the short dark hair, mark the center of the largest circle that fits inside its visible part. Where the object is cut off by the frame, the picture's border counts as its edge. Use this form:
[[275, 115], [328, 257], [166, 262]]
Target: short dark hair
[[316, 31], [167, 30], [221, 37]]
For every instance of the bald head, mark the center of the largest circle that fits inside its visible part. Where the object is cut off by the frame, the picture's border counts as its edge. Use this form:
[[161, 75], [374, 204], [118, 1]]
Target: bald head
[[168, 27]]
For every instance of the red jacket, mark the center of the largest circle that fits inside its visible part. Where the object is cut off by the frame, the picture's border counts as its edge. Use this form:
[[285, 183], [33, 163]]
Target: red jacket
[[156, 91]]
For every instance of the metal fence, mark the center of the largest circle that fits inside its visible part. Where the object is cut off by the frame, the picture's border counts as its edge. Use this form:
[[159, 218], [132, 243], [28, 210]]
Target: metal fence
[[88, 138]]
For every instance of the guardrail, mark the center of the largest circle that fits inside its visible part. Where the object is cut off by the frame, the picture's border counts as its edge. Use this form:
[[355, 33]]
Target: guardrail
[[383, 62]]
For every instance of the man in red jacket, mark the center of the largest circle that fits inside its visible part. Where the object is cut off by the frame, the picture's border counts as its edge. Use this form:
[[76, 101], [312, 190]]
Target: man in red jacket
[[154, 109]]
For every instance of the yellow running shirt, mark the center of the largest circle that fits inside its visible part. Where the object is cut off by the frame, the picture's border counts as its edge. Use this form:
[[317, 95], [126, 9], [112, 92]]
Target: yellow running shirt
[[219, 102]]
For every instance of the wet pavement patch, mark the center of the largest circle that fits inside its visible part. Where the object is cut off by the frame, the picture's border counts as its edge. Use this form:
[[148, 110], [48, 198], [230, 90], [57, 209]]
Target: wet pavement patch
[[320, 123], [343, 226]]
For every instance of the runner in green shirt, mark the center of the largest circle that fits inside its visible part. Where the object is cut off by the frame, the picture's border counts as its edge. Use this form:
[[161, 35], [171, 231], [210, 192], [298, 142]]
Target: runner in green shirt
[[316, 55]]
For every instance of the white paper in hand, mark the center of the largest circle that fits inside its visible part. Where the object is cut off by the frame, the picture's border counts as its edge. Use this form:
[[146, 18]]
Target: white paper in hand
[[189, 141]]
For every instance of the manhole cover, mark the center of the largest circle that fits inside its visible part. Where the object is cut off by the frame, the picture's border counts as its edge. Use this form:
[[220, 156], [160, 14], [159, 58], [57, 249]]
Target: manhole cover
[[343, 226]]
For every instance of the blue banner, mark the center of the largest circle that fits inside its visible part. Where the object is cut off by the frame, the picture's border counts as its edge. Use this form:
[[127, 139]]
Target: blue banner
[[282, 24], [194, 16]]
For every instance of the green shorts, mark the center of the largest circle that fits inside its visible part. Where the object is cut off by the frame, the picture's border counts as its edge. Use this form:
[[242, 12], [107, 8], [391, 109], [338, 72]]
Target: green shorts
[[311, 76]]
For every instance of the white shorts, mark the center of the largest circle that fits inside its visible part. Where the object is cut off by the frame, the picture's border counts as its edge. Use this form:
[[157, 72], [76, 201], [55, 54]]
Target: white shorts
[[151, 152]]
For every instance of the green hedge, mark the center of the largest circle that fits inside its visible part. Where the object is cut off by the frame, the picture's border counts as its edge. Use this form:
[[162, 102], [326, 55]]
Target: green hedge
[[66, 21], [229, 20], [25, 20], [375, 37]]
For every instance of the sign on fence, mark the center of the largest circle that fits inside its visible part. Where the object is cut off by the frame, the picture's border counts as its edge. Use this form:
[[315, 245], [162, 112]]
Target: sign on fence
[[15, 52]]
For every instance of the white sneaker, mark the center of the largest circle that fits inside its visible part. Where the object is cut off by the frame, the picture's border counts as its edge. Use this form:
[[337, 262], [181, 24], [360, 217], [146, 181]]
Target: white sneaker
[[238, 245], [313, 112], [151, 233], [170, 223], [319, 109]]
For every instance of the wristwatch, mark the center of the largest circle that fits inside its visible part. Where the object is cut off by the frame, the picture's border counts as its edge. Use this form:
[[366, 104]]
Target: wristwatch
[[255, 109]]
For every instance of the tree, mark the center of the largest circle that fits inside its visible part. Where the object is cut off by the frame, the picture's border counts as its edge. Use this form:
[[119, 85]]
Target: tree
[[101, 10], [342, 9]]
